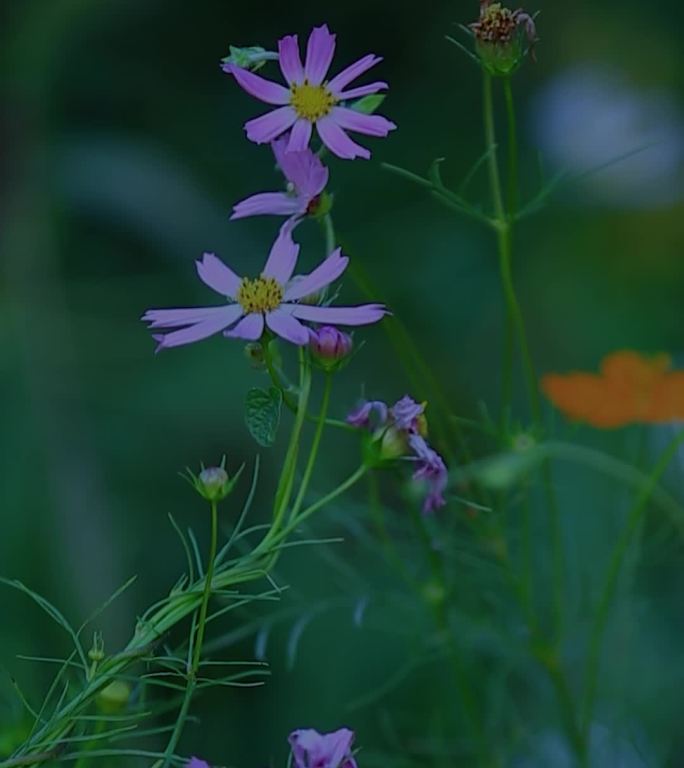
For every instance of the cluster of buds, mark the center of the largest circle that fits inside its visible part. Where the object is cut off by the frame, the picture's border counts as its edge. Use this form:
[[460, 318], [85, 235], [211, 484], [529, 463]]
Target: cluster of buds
[[503, 37]]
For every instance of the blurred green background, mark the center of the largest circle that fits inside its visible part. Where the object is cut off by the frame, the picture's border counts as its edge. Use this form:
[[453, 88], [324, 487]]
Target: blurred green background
[[122, 152]]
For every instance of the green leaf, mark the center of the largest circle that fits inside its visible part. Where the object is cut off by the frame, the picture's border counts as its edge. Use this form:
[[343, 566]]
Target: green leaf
[[262, 414], [368, 104]]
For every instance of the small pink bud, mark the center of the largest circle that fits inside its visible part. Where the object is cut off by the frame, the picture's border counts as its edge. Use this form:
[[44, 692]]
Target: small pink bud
[[330, 346]]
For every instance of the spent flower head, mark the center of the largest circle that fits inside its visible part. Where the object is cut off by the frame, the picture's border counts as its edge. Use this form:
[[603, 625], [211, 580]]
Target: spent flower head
[[503, 37], [272, 300], [310, 99], [311, 749]]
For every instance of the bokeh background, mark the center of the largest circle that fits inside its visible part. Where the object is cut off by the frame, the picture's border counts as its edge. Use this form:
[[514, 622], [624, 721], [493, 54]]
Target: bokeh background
[[122, 153]]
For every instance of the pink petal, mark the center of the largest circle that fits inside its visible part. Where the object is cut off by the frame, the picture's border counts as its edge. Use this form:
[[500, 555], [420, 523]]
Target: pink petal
[[363, 90], [303, 169], [283, 256], [290, 60], [201, 330], [214, 273], [324, 274], [300, 135], [319, 54], [287, 327], [269, 126], [363, 315], [371, 125], [262, 89], [352, 72], [337, 141], [269, 203], [250, 328], [177, 318]]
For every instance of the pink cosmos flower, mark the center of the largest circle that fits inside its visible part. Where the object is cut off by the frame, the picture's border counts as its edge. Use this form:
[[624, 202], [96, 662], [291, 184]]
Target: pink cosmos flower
[[311, 100], [271, 300], [195, 762], [306, 178], [311, 749], [400, 431]]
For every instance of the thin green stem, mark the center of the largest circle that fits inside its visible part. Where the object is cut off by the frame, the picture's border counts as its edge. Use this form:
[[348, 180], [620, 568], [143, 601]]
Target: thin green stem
[[612, 577], [331, 496], [516, 317], [329, 230], [284, 491], [512, 148], [438, 605], [199, 641], [201, 624], [315, 445], [491, 146]]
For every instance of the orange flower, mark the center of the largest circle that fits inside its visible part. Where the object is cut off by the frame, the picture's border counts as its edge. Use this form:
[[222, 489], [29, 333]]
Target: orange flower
[[630, 389]]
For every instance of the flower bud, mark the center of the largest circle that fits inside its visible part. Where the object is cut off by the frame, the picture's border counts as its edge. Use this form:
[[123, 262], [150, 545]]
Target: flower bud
[[96, 654], [254, 352], [114, 698], [213, 483], [251, 57], [503, 37], [330, 347]]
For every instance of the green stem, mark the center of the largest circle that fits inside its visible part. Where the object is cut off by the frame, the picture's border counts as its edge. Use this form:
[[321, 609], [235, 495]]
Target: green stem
[[199, 641], [512, 149], [315, 445], [329, 230], [201, 625], [284, 491], [490, 141], [438, 606], [612, 576], [338, 491]]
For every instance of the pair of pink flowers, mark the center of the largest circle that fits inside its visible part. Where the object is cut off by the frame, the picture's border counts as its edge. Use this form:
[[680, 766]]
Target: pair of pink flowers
[[277, 300]]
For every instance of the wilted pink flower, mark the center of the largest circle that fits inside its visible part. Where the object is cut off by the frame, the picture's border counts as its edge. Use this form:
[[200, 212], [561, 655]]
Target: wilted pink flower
[[195, 762], [311, 100], [431, 469], [311, 749], [400, 431], [270, 300], [306, 179]]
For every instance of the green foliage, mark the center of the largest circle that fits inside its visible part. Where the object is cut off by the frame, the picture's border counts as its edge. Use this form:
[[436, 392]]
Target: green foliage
[[262, 414]]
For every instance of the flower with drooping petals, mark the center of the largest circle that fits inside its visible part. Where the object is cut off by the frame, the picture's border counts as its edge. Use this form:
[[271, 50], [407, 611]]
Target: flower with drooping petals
[[431, 469], [400, 431], [629, 389], [311, 749], [311, 100], [306, 179], [271, 300]]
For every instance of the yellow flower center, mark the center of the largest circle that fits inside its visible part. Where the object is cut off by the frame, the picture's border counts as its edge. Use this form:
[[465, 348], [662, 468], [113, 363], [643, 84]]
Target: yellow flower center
[[262, 294], [311, 101]]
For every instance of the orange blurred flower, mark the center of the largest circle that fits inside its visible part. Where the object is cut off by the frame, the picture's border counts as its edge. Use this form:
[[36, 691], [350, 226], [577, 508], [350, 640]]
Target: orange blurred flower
[[630, 389]]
